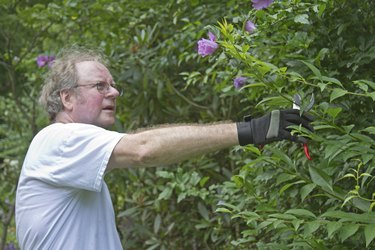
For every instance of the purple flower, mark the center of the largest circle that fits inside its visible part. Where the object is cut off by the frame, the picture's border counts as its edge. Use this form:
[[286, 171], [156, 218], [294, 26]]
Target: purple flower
[[42, 60], [250, 27], [239, 82], [211, 36], [261, 4], [207, 47]]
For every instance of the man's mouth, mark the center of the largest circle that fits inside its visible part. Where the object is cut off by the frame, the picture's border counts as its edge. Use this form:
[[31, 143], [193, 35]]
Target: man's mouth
[[109, 108]]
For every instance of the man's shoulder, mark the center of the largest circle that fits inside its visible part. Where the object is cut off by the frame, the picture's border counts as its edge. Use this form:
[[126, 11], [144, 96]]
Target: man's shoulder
[[67, 128]]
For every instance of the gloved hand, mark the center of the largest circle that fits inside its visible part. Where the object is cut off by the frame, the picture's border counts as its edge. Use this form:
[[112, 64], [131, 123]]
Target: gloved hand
[[273, 127]]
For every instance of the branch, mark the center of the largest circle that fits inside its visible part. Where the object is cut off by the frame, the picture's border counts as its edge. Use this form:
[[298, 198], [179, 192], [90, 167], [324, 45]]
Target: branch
[[187, 100]]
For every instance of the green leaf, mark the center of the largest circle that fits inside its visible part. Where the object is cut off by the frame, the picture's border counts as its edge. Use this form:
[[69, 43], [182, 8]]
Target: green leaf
[[370, 130], [253, 149], [332, 80], [283, 177], [333, 112], [274, 101], [322, 86], [368, 218], [129, 211], [337, 92], [334, 149], [348, 128], [349, 176], [301, 212], [348, 199], [320, 178], [306, 190], [180, 197], [238, 180], [372, 95], [365, 82], [361, 85], [265, 224], [157, 223], [285, 187], [313, 69], [372, 206], [296, 224], [166, 194], [311, 227], [282, 156], [165, 174], [304, 19], [369, 233], [320, 127], [234, 208], [253, 85], [348, 230], [283, 216], [203, 211], [332, 227], [203, 181], [223, 210]]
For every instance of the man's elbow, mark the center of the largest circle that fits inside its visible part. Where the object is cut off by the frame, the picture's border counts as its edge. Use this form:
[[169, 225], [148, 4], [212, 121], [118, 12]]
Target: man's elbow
[[133, 151], [144, 157]]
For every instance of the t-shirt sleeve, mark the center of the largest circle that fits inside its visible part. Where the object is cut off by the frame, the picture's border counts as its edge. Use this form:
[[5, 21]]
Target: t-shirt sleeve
[[74, 156]]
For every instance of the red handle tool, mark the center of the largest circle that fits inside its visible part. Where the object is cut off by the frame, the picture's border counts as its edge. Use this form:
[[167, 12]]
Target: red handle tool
[[297, 105]]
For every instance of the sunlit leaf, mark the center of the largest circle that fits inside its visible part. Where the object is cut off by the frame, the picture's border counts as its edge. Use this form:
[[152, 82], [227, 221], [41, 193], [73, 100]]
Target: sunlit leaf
[[304, 19]]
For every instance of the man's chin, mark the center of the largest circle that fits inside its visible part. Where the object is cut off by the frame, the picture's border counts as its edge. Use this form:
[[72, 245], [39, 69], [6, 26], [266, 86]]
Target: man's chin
[[107, 123]]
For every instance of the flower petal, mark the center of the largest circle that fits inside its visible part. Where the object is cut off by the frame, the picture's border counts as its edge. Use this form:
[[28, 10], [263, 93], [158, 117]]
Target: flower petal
[[250, 27], [206, 47], [240, 81], [261, 4], [211, 36]]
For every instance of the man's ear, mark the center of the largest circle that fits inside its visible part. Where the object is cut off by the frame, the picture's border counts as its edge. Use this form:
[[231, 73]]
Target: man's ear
[[66, 99]]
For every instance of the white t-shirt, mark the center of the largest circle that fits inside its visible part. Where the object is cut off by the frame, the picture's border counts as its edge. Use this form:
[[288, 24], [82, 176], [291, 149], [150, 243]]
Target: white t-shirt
[[62, 201]]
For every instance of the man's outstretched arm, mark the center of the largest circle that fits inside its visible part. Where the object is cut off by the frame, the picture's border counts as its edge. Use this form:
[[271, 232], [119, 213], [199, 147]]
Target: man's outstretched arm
[[161, 146], [171, 144]]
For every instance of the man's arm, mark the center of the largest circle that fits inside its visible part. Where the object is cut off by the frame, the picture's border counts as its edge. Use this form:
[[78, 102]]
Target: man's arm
[[171, 144]]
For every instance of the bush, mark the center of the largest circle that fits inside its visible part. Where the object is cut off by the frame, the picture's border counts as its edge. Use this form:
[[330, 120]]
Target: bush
[[241, 198]]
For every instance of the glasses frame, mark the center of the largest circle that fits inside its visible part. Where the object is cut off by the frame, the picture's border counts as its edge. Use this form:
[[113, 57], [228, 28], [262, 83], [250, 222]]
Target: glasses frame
[[103, 87]]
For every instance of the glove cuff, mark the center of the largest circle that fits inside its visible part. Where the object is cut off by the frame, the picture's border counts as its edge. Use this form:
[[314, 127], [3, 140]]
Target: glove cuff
[[245, 133]]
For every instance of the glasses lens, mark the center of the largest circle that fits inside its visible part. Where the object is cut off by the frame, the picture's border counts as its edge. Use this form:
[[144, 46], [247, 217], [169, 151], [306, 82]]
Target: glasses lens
[[102, 87]]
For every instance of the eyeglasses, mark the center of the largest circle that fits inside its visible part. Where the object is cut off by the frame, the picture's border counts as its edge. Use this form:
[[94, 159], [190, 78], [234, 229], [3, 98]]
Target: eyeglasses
[[103, 87]]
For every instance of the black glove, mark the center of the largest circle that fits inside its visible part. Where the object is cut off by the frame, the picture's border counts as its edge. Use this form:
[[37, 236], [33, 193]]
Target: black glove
[[272, 127]]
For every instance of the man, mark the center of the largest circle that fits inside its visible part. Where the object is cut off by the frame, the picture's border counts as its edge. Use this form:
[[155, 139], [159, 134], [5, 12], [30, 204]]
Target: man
[[62, 200]]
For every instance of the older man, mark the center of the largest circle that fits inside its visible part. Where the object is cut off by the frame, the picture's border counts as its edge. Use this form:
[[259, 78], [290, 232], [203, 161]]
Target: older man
[[62, 200]]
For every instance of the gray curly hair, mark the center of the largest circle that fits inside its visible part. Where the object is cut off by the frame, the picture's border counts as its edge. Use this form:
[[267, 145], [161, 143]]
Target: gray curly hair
[[63, 75]]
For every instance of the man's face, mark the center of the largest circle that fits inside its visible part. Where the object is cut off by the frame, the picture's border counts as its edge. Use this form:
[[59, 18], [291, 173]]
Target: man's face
[[89, 105]]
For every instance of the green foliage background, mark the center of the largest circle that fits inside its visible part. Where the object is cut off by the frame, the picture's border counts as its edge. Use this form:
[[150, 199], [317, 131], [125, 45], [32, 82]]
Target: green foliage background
[[240, 198]]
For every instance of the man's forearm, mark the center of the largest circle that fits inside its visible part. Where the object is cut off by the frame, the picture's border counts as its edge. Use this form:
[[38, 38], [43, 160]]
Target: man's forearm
[[172, 144]]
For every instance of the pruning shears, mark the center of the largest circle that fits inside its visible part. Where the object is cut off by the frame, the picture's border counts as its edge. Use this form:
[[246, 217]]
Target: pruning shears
[[297, 101]]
